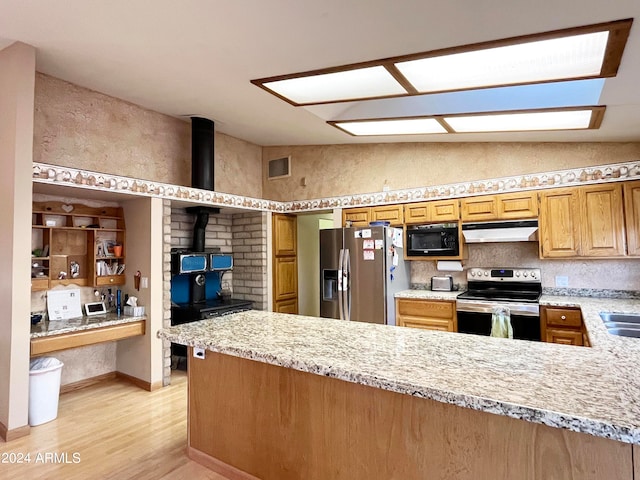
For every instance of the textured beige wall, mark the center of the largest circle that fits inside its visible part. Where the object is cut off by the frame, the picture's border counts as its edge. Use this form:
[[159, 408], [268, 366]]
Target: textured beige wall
[[81, 128], [597, 274], [334, 170]]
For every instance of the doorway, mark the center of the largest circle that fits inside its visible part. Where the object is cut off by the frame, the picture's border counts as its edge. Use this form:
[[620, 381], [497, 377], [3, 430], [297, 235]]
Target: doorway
[[309, 226]]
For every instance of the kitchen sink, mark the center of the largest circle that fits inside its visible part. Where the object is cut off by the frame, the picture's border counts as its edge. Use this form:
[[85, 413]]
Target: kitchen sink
[[622, 324], [633, 318]]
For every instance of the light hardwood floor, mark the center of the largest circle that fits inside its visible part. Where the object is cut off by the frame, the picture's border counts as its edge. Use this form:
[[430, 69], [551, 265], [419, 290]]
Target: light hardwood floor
[[117, 429]]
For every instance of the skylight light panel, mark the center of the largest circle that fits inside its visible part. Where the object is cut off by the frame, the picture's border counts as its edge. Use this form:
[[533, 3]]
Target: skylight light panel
[[338, 86], [412, 126], [514, 122], [579, 56]]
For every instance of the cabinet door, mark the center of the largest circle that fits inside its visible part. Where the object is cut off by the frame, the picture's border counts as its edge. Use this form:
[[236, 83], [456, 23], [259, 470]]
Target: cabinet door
[[632, 216], [388, 213], [479, 208], [444, 210], [517, 205], [359, 217], [440, 324], [602, 221], [416, 213], [564, 336], [286, 306], [284, 235], [559, 223], [286, 279]]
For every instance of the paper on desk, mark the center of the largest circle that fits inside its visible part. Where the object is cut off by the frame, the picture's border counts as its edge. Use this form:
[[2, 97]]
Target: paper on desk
[[64, 304]]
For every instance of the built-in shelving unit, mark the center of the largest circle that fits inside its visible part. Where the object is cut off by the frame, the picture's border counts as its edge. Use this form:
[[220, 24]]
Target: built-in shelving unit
[[74, 244]]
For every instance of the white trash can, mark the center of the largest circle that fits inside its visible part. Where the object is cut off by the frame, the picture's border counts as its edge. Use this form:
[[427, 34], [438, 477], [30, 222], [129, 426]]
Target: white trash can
[[44, 389]]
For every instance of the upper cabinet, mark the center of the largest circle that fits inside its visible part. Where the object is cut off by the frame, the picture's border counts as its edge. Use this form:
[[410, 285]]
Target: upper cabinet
[[632, 216], [431, 212], [582, 222], [73, 244], [507, 206], [361, 216]]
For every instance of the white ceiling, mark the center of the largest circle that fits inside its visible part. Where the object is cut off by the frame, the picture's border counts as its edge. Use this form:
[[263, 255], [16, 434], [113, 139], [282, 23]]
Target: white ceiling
[[197, 56]]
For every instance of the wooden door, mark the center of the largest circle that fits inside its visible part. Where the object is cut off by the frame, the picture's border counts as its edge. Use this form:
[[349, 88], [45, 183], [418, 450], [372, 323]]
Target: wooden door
[[559, 223], [602, 219], [388, 213], [514, 206], [477, 209], [632, 216], [285, 263], [359, 217]]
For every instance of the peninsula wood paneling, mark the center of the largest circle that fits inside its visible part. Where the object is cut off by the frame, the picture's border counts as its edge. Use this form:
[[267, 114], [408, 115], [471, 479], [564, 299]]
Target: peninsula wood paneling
[[278, 423], [632, 216]]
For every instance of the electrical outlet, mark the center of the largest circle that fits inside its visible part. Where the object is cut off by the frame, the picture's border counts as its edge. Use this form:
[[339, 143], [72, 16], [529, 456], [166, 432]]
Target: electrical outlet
[[562, 281], [144, 282], [198, 353]]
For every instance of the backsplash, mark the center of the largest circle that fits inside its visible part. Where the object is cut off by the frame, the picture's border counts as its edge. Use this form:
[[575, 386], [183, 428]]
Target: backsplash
[[582, 274]]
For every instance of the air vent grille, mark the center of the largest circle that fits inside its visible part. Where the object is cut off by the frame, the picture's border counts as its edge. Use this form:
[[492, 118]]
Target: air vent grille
[[279, 168]]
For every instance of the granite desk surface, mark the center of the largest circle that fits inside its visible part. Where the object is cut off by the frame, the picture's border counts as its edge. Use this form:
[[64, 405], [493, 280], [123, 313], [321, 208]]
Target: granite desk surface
[[593, 390], [58, 327]]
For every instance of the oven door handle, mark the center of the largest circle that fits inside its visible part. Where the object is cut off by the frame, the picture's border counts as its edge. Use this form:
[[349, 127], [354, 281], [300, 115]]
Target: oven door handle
[[528, 310]]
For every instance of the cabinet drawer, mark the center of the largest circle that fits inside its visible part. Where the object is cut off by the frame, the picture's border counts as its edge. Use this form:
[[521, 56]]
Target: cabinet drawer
[[563, 317], [425, 308], [110, 280], [439, 324]]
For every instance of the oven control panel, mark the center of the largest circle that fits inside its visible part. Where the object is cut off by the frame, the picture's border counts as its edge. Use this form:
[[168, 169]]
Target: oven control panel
[[504, 274]]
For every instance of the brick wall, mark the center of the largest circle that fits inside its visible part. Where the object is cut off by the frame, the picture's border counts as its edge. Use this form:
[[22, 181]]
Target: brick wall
[[249, 243], [243, 235]]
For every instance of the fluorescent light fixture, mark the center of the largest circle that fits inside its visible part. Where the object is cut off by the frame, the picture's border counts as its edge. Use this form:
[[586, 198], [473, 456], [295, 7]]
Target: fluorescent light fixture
[[591, 51], [330, 87], [570, 118], [518, 122], [578, 56], [410, 126]]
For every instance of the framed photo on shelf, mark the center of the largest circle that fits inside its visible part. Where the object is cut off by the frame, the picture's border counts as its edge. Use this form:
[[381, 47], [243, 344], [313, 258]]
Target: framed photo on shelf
[[99, 248], [108, 248]]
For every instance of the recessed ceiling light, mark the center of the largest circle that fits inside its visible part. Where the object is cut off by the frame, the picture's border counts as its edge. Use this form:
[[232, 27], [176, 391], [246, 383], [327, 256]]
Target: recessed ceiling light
[[572, 118], [361, 83], [573, 57], [410, 126], [592, 51]]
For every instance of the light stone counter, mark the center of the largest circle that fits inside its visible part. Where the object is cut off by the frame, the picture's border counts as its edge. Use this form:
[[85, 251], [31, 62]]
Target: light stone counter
[[428, 294], [58, 327], [591, 390]]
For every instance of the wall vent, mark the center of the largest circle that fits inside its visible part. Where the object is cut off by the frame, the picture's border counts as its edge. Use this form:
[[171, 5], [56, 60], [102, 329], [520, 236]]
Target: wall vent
[[279, 168]]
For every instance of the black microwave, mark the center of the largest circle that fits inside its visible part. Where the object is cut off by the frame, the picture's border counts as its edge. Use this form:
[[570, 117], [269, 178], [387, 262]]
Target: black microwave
[[434, 240]]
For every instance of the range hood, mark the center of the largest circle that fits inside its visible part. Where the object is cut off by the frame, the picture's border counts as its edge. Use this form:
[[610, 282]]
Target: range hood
[[508, 231]]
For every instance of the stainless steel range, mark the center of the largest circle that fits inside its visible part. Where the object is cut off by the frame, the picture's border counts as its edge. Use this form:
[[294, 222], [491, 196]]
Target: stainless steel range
[[518, 289]]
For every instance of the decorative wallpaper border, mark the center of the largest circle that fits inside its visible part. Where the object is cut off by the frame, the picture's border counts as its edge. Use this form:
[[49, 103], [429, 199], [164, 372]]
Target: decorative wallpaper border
[[57, 175]]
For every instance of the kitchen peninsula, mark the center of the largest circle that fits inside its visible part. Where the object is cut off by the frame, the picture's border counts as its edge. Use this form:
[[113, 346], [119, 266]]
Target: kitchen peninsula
[[286, 396]]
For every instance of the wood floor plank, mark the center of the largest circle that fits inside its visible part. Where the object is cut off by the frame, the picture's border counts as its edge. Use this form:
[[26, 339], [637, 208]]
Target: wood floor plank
[[109, 430]]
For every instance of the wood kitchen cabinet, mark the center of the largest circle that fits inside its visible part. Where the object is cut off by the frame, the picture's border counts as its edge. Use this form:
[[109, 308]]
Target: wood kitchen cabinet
[[361, 216], [73, 244], [632, 216], [507, 206], [582, 222], [285, 263], [426, 314], [562, 325], [432, 212]]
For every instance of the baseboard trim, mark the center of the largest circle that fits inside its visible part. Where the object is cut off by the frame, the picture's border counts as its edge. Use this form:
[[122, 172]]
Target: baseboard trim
[[148, 386], [87, 382], [218, 466], [9, 435]]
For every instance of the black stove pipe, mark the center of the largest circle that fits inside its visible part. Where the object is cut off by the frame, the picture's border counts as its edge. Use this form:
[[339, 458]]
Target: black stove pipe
[[202, 156]]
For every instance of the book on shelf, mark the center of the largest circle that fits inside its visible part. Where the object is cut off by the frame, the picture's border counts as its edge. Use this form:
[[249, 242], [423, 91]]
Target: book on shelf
[[109, 268]]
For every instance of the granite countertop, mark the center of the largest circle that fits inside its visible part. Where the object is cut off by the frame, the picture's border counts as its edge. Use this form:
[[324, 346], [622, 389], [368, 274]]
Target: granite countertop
[[428, 294], [58, 327], [591, 390]]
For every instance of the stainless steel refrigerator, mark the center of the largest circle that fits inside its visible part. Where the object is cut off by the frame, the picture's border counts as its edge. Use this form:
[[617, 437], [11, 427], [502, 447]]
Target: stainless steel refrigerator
[[360, 271]]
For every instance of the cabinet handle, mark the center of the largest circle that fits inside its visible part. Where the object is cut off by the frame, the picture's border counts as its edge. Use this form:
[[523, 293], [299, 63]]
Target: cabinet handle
[[563, 317]]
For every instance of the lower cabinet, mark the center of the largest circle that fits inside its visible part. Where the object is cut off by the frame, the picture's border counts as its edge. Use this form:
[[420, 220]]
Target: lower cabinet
[[426, 314], [562, 325]]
